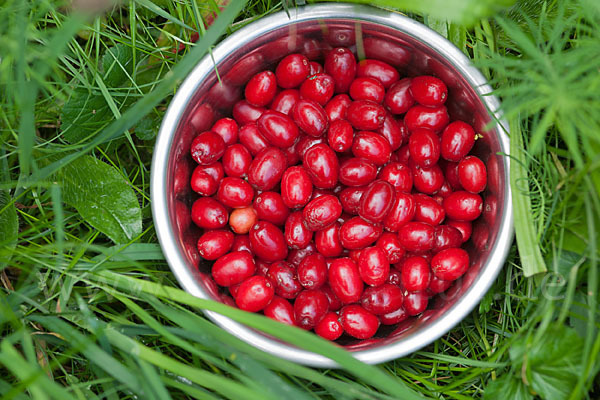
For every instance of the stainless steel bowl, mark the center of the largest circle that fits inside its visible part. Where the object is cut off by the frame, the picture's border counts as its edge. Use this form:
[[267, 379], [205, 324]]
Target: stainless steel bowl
[[373, 33]]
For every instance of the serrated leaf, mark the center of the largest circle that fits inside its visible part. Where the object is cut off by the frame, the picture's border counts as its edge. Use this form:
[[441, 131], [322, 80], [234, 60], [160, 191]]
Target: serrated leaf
[[103, 198], [9, 226], [147, 128], [117, 64], [84, 114], [507, 387]]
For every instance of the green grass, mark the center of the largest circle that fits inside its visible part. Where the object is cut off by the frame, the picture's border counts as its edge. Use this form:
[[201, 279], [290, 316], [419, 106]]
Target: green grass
[[83, 317]]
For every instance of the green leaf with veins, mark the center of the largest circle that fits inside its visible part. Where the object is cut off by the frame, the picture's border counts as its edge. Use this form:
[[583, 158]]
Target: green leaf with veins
[[117, 64], [103, 197], [84, 114], [9, 226], [507, 386]]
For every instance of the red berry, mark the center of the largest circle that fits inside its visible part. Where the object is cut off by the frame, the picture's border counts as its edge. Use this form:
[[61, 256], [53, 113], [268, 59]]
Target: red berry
[[285, 100], [310, 117], [417, 236], [357, 172], [463, 206], [315, 68], [437, 285], [277, 128], [398, 98], [245, 113], [415, 303], [312, 271], [267, 242], [350, 198], [434, 118], [457, 140], [267, 168], [209, 214], [322, 212], [252, 139], [214, 244], [341, 65], [297, 235], [424, 147], [450, 264], [394, 317], [373, 266], [318, 88], [428, 210], [390, 244], [280, 310], [327, 241], [237, 160], [356, 233], [446, 236], [344, 280], [393, 131], [207, 148], [415, 274], [310, 307], [340, 135], [334, 303], [241, 220], [254, 294], [382, 299], [233, 268], [472, 174], [365, 115], [399, 175], [330, 327], [228, 129], [427, 180], [261, 89], [383, 72], [322, 165], [377, 201], [284, 280], [336, 107], [203, 182], [235, 192], [428, 90], [371, 146], [464, 227], [358, 322], [403, 211], [365, 88], [269, 206], [292, 70], [296, 187]]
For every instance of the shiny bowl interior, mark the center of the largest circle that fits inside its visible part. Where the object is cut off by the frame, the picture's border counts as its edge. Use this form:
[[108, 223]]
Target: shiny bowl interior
[[372, 33]]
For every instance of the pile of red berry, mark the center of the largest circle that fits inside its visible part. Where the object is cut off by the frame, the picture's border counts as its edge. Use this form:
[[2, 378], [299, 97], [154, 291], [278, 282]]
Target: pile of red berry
[[324, 208]]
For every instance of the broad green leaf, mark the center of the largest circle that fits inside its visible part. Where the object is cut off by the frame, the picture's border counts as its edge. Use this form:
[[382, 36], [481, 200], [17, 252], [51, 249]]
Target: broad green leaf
[[117, 64], [147, 128], [103, 198], [507, 386], [84, 114], [465, 12], [9, 226]]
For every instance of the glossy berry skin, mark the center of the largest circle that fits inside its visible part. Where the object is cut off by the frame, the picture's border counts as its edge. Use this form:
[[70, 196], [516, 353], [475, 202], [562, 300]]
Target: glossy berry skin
[[341, 65], [233, 268], [228, 129], [357, 172], [415, 303], [306, 142], [457, 140], [330, 327], [446, 236], [377, 201], [451, 175], [269, 206], [285, 101], [464, 227], [267, 242], [415, 274], [252, 139], [312, 271], [350, 198], [356, 233], [292, 70], [390, 244], [373, 266], [241, 220], [296, 187], [358, 322], [403, 211], [463, 206], [236, 160], [310, 117], [278, 129], [207, 148], [280, 310], [366, 88], [310, 307], [297, 235], [382, 299], [328, 242], [295, 256], [365, 115], [472, 174], [267, 168], [235, 192], [424, 147], [382, 71], [337, 107], [254, 294], [261, 89], [428, 210], [394, 317], [204, 183], [434, 118], [450, 264], [340, 135], [284, 280], [428, 180], [393, 131], [318, 88], [344, 280], [371, 146], [246, 113], [315, 68], [322, 212], [208, 213], [399, 175], [398, 98], [417, 237], [241, 242], [321, 163], [437, 285], [334, 303], [428, 90], [214, 244]]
